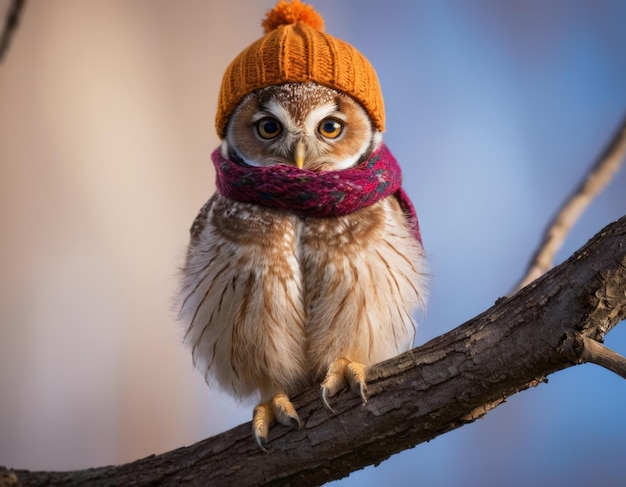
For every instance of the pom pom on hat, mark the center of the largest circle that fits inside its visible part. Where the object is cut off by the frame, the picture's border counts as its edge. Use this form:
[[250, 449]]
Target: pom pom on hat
[[295, 49], [285, 13]]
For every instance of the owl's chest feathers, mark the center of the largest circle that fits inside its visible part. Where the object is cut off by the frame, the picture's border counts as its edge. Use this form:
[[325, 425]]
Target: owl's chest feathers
[[280, 297]]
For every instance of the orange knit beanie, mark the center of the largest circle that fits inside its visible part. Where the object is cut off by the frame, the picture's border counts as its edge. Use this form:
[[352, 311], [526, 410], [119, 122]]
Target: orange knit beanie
[[295, 49]]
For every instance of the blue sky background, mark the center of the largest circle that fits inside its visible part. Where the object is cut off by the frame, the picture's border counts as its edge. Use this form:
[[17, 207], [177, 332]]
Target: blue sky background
[[495, 111]]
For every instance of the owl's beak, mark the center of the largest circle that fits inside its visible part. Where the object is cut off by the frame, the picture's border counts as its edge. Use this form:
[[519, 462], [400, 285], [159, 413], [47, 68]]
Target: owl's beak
[[299, 154]]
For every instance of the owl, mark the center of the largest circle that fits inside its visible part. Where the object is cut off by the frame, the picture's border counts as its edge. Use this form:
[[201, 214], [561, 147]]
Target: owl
[[273, 299]]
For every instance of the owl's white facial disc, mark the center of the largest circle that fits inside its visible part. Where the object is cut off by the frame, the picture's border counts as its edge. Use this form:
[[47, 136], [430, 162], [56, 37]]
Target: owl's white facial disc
[[325, 129]]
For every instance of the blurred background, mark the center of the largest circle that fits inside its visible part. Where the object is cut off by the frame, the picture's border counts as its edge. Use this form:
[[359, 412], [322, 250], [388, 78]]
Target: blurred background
[[495, 110]]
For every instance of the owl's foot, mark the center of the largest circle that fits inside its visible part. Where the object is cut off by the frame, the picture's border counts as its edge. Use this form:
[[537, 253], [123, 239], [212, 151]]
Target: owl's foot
[[280, 409], [340, 373]]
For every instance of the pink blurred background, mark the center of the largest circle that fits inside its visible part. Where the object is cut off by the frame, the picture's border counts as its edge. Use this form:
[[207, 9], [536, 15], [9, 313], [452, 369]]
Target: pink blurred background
[[105, 129]]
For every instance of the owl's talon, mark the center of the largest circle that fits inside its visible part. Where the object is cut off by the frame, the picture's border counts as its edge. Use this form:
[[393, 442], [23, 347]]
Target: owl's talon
[[324, 395], [262, 418], [284, 412], [340, 373], [261, 441], [355, 373], [280, 409], [363, 393], [334, 381]]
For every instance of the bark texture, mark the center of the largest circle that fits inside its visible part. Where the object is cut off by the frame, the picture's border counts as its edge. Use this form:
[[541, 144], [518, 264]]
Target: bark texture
[[555, 322]]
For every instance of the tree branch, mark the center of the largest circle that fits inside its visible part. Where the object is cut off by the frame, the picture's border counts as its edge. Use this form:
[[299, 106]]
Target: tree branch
[[554, 323], [599, 175], [10, 26]]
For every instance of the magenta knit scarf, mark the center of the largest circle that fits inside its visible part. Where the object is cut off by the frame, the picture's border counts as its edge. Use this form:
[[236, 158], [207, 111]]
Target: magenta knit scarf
[[316, 194]]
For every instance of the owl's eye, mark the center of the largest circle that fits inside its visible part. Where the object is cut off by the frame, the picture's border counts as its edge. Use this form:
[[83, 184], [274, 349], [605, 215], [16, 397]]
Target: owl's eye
[[268, 128], [330, 128]]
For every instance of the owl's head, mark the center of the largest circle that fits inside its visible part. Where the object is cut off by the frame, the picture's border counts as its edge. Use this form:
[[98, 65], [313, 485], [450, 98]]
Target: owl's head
[[302, 124], [299, 96]]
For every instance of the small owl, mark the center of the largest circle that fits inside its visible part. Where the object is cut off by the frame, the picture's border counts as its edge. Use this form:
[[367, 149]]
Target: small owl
[[306, 266]]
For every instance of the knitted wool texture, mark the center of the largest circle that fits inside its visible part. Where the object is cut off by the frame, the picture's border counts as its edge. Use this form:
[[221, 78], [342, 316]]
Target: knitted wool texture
[[316, 194], [296, 49]]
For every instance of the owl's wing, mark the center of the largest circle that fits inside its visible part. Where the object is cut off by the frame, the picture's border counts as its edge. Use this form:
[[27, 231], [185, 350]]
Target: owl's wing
[[409, 210], [241, 298], [200, 221]]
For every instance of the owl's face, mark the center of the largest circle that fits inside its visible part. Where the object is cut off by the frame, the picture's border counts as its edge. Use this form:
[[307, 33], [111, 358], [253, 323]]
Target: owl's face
[[300, 124]]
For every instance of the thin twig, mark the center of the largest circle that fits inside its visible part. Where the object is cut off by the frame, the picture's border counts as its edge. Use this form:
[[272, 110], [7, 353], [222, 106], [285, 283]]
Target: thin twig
[[580, 349], [10, 25], [597, 178], [597, 353]]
